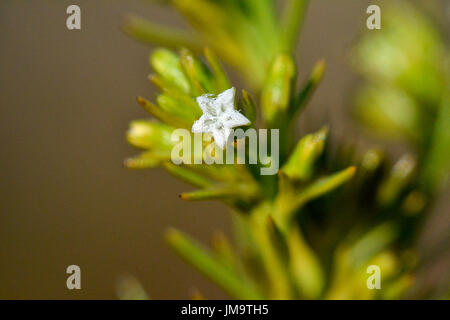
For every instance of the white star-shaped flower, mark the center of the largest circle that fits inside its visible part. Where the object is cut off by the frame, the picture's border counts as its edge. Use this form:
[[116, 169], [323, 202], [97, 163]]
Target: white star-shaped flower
[[219, 116]]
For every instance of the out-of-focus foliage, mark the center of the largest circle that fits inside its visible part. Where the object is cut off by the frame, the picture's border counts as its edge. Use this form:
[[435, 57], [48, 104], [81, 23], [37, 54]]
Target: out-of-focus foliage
[[245, 34], [311, 231], [407, 67]]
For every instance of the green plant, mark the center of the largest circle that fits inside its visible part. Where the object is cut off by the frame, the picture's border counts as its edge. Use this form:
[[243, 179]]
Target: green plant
[[311, 231]]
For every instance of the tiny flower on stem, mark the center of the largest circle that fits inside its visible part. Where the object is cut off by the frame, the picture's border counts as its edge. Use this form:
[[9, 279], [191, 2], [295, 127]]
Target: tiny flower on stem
[[219, 116]]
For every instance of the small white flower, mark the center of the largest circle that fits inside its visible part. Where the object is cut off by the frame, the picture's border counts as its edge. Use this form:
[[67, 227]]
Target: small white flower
[[219, 116]]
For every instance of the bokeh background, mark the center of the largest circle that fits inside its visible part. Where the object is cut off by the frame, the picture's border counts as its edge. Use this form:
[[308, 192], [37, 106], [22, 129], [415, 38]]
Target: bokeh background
[[66, 98]]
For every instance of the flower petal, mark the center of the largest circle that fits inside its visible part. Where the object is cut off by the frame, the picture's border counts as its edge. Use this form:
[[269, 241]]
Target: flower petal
[[225, 100], [206, 102], [235, 119], [202, 125], [221, 136]]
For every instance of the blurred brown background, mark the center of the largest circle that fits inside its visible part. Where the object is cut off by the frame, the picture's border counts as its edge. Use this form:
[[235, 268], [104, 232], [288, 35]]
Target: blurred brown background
[[66, 98]]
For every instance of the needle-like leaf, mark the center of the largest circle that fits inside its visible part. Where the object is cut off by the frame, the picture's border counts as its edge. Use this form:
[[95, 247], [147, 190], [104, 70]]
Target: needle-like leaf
[[162, 115], [301, 163], [221, 78], [303, 97], [200, 258], [151, 33], [187, 175], [293, 18]]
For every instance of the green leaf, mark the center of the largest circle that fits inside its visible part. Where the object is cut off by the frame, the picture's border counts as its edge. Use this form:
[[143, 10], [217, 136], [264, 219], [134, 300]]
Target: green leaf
[[187, 175], [201, 259], [290, 199], [164, 116], [203, 14], [225, 251], [225, 191], [300, 165], [220, 76], [437, 164], [198, 74], [147, 134], [389, 112], [215, 25], [303, 97], [277, 92], [293, 17], [144, 161], [266, 237], [305, 266], [372, 160], [151, 33], [400, 176], [186, 101], [249, 106], [324, 185], [167, 65], [372, 243], [177, 108], [264, 13]]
